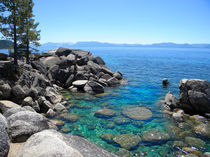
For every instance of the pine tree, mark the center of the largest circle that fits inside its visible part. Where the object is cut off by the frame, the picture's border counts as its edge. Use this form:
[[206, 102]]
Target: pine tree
[[30, 35], [10, 19]]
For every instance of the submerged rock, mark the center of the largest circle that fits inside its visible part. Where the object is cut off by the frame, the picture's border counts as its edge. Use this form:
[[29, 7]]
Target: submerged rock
[[105, 113], [107, 137], [155, 135], [195, 142], [70, 117], [137, 113], [121, 120], [127, 141]]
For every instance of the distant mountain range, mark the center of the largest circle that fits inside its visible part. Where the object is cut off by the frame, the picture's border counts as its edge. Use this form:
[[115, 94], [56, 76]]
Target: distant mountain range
[[4, 44], [50, 45]]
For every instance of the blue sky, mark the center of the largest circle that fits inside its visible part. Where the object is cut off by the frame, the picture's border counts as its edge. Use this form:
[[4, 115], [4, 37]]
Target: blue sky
[[124, 21]]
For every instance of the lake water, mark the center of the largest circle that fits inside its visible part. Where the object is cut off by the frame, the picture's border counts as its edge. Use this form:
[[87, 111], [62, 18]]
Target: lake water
[[144, 68]]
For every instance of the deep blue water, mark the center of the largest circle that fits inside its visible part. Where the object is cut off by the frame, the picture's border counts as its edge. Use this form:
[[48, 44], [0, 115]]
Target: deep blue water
[[144, 68]]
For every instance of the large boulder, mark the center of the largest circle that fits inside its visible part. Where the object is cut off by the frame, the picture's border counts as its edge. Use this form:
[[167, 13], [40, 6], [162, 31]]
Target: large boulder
[[127, 141], [98, 60], [155, 136], [79, 83], [23, 124], [50, 61], [52, 95], [6, 91], [171, 101], [18, 92], [112, 82], [39, 66], [93, 87], [4, 138], [136, 113], [6, 105], [63, 51], [52, 143], [80, 53], [195, 96], [105, 113]]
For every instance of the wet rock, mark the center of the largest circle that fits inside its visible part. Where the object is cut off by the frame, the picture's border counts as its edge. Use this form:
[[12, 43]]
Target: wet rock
[[107, 137], [178, 116], [70, 117], [6, 105], [171, 101], [111, 125], [93, 87], [4, 138], [121, 120], [118, 75], [198, 118], [127, 141], [165, 82], [179, 144], [203, 130], [73, 89], [138, 124], [124, 153], [50, 113], [195, 142], [105, 113], [191, 150], [25, 123], [106, 77], [137, 113], [57, 122], [59, 108], [155, 136], [112, 82]]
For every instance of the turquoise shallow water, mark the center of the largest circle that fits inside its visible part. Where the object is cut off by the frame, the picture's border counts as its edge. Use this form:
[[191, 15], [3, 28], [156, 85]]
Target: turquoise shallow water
[[144, 68]]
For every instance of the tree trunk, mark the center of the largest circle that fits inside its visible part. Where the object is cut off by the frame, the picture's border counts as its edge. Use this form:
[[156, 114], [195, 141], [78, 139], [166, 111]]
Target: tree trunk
[[15, 46], [27, 51]]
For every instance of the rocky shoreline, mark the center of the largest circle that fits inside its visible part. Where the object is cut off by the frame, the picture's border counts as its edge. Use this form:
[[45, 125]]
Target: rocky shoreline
[[190, 114], [30, 93]]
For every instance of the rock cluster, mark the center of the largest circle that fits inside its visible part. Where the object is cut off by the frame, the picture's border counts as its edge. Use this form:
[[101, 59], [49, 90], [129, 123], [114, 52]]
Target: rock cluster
[[30, 91], [78, 70], [195, 96]]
